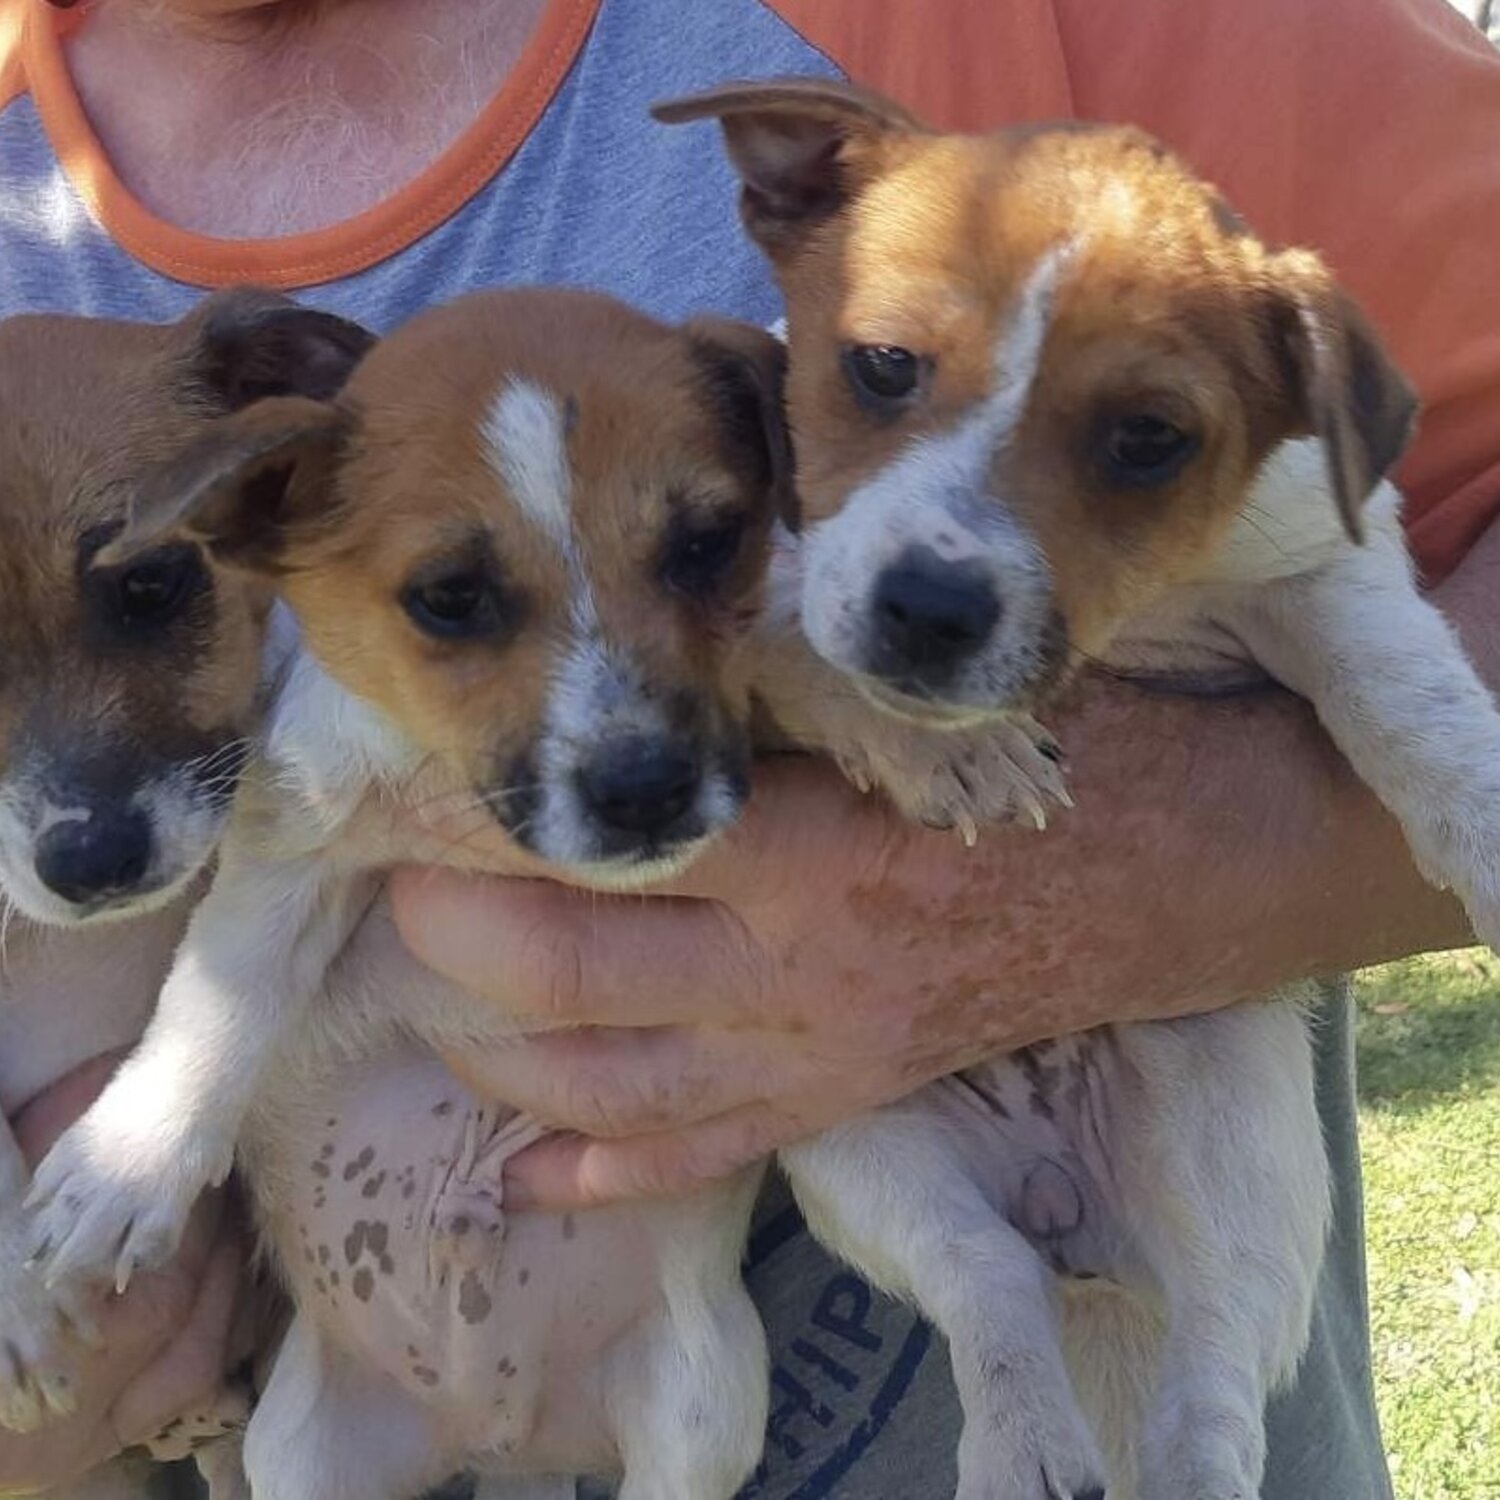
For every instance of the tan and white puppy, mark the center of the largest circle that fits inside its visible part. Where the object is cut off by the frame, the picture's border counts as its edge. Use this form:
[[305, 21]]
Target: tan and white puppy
[[526, 548], [126, 704], [1052, 402]]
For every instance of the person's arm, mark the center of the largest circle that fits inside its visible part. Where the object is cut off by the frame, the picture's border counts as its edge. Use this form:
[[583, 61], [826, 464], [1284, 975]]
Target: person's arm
[[833, 958], [829, 958]]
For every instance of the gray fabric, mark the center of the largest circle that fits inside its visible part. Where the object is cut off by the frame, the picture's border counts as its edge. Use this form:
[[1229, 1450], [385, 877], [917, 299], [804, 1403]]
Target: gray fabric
[[599, 196]]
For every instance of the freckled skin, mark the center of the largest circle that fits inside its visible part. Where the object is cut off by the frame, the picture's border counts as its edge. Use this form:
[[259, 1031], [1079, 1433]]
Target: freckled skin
[[507, 1342]]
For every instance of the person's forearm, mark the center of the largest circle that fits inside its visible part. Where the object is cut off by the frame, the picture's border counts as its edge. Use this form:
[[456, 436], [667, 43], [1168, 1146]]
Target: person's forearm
[[1293, 869]]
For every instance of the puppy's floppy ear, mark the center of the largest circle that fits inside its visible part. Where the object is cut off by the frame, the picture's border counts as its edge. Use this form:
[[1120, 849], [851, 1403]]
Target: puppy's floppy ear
[[745, 369], [1348, 391], [243, 487], [802, 146], [245, 343]]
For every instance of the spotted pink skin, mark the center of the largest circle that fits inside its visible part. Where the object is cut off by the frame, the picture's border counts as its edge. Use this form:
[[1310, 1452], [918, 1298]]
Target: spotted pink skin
[[498, 1325]]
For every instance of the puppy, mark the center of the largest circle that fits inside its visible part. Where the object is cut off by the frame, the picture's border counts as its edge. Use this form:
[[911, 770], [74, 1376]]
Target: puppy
[[525, 548], [126, 703], [1053, 402]]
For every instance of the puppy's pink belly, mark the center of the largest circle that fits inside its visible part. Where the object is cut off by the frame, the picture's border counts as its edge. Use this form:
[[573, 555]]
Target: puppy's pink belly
[[1037, 1129], [397, 1243]]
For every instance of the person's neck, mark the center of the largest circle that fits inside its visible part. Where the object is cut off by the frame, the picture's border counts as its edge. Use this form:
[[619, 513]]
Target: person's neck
[[249, 128]]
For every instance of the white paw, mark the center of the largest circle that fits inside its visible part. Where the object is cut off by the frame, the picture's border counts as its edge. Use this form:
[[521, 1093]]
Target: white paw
[[41, 1333], [114, 1194], [1006, 772], [1033, 1461], [1200, 1451]]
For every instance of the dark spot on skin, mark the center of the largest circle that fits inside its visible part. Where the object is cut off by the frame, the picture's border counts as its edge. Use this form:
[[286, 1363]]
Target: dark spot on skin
[[373, 1186], [569, 1226], [363, 1284], [409, 1191], [506, 1368], [460, 1226], [320, 1169], [319, 1198], [354, 1242], [361, 1163], [474, 1302], [320, 1285], [425, 1374], [412, 1352], [523, 1276], [327, 1150], [387, 1266], [445, 1108], [332, 1124], [377, 1237]]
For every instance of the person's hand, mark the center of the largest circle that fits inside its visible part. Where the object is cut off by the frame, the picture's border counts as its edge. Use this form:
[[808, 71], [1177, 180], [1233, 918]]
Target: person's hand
[[166, 1343], [826, 958]]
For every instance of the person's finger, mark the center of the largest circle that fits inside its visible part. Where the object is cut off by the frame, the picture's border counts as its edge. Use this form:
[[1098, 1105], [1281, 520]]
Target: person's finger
[[191, 1366], [569, 1172], [803, 817], [609, 1082], [45, 1117], [559, 956]]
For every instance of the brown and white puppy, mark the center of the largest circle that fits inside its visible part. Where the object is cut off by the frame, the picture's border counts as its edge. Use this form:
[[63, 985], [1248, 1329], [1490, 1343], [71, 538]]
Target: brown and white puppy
[[127, 700], [1052, 401], [525, 548]]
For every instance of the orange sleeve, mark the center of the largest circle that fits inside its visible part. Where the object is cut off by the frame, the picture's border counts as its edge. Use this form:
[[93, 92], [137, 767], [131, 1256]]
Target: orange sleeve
[[1367, 129]]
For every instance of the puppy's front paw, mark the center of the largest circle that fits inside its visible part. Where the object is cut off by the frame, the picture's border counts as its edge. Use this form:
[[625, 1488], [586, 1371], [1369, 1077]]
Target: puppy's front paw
[[1006, 772], [40, 1335], [114, 1194]]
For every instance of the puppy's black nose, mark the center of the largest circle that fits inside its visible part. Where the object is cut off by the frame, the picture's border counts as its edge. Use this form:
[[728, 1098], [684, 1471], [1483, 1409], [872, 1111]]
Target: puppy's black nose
[[106, 854], [640, 786], [931, 616]]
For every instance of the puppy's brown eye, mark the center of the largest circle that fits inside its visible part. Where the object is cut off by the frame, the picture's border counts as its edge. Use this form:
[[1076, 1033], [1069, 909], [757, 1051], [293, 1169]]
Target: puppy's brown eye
[[158, 587], [1142, 450], [458, 605], [698, 557], [882, 374]]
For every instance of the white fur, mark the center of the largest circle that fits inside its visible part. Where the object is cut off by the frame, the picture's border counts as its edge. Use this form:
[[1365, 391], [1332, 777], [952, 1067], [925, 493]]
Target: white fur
[[936, 494], [526, 432], [1195, 1144]]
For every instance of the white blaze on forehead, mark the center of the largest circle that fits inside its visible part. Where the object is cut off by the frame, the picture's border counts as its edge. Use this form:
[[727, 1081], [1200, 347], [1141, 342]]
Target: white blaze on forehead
[[1018, 353], [936, 494], [526, 432]]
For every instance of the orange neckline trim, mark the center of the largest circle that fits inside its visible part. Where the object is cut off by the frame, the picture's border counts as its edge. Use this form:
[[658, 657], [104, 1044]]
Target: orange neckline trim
[[320, 255]]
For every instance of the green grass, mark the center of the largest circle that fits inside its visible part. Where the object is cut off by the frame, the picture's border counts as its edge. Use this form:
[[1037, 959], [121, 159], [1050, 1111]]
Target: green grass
[[1430, 1110]]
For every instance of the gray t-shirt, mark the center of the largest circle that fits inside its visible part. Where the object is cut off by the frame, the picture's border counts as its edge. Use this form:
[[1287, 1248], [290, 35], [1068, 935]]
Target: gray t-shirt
[[596, 195]]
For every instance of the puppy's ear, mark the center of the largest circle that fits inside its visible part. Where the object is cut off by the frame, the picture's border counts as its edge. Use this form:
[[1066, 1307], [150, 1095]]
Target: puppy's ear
[[745, 371], [245, 343], [802, 146], [249, 483], [1347, 390]]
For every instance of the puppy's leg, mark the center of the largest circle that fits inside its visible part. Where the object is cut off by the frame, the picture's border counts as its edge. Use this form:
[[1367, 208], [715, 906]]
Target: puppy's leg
[[893, 1195], [35, 1348], [1224, 1180], [688, 1397], [1392, 686], [327, 1429], [115, 1191]]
